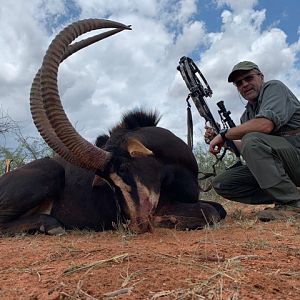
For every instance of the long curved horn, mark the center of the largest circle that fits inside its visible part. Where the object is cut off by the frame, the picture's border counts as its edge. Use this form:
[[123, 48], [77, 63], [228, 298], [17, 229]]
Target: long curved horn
[[43, 125], [91, 157], [39, 116], [89, 41]]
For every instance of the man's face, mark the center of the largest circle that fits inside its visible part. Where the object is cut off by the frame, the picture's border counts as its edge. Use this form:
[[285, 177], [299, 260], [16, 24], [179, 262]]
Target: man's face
[[249, 84]]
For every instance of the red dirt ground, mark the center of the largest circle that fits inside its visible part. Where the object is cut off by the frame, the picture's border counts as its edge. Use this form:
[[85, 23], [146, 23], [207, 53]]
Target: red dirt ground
[[241, 258]]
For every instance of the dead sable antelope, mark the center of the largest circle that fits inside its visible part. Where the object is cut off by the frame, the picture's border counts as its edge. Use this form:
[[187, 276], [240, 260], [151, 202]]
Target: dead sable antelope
[[139, 172]]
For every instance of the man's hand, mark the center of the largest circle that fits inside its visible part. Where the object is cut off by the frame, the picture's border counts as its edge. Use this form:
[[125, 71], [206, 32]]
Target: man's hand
[[209, 134], [216, 145]]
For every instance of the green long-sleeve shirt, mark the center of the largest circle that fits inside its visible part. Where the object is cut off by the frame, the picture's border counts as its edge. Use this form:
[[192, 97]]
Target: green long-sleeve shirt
[[277, 103]]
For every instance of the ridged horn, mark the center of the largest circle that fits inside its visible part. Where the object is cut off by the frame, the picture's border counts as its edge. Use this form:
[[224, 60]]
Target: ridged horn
[[39, 116], [89, 155], [43, 125], [89, 41]]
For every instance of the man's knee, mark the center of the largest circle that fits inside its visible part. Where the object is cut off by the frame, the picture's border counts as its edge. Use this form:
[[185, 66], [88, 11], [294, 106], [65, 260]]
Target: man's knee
[[255, 144], [252, 139]]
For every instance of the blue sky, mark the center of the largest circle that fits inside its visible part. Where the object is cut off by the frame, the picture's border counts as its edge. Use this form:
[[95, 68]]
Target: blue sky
[[138, 68], [282, 13]]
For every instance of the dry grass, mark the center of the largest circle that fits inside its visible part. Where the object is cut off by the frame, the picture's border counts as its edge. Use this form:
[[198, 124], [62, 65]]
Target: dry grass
[[239, 258]]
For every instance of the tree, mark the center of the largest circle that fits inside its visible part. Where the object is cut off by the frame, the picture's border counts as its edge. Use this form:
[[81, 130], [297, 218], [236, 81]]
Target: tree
[[28, 148], [6, 123]]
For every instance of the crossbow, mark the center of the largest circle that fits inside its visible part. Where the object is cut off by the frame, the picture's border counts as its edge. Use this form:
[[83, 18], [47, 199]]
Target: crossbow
[[199, 89]]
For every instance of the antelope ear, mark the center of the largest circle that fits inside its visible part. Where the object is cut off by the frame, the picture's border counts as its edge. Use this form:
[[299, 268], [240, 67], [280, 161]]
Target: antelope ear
[[136, 149]]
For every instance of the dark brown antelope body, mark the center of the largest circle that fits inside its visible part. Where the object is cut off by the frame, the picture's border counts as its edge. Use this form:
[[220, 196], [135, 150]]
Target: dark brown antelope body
[[157, 189]]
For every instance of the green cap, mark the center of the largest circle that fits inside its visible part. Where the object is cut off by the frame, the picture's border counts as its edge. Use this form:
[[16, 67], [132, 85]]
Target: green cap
[[242, 66]]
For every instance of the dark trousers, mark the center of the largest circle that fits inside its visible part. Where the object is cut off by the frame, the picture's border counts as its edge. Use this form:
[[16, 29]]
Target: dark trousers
[[271, 174]]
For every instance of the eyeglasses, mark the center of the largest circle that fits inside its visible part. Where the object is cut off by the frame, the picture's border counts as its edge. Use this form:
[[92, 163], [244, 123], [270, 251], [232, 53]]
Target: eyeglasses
[[247, 79]]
